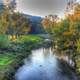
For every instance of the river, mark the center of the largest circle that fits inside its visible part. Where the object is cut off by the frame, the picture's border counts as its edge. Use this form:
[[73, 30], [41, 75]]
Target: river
[[43, 65]]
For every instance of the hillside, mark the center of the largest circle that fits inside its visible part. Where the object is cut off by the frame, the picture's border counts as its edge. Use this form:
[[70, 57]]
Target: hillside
[[35, 23]]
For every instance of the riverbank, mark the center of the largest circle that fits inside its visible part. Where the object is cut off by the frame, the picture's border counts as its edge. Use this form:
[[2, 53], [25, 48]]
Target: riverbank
[[11, 63], [11, 57], [46, 66]]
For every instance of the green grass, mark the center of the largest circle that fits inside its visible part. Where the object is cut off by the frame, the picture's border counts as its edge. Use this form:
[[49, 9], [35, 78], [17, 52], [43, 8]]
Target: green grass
[[26, 38], [6, 59], [3, 37], [21, 38]]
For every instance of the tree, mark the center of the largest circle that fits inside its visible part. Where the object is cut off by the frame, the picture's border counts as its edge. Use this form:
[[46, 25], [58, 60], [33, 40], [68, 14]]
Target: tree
[[4, 21], [20, 24], [66, 33], [13, 23]]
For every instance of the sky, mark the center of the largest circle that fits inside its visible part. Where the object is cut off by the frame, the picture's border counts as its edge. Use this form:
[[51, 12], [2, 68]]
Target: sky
[[42, 7], [0, 1]]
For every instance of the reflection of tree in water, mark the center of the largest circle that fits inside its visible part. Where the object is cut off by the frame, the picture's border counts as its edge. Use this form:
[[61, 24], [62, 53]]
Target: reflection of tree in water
[[46, 52], [45, 67]]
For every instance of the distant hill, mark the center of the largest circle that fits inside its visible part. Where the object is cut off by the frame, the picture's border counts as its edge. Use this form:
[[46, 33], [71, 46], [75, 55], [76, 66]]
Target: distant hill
[[1, 7], [36, 26]]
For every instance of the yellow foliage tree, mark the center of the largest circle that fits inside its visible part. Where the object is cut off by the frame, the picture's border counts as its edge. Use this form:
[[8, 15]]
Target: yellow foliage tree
[[4, 21]]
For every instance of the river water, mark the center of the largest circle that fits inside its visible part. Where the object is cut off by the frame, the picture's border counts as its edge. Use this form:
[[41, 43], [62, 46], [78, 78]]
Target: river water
[[42, 65]]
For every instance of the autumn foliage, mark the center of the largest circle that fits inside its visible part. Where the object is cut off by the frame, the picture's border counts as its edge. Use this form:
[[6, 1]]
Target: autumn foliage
[[13, 23], [66, 33]]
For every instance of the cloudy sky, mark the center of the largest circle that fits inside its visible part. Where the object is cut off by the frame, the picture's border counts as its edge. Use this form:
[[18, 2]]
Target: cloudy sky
[[42, 7], [0, 1]]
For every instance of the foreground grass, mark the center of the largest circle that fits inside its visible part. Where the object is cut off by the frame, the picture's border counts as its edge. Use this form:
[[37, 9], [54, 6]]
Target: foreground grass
[[9, 63], [12, 52], [6, 59]]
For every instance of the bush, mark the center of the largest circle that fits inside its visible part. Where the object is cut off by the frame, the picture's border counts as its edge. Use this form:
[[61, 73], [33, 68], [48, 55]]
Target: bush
[[4, 41]]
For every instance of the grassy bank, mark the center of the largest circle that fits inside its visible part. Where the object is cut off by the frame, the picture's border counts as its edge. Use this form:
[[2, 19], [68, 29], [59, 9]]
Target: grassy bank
[[9, 63], [13, 52]]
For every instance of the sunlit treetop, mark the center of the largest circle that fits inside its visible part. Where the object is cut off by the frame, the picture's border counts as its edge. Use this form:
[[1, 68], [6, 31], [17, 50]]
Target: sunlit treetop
[[6, 2], [71, 6], [11, 4]]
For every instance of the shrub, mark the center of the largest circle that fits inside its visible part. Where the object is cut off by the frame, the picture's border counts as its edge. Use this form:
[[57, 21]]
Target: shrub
[[4, 41]]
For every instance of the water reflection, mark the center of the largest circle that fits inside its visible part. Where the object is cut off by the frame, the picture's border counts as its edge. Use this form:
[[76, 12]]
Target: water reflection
[[41, 65]]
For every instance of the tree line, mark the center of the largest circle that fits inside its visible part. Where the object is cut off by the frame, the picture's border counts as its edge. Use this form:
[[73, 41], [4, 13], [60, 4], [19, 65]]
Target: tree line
[[65, 33]]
